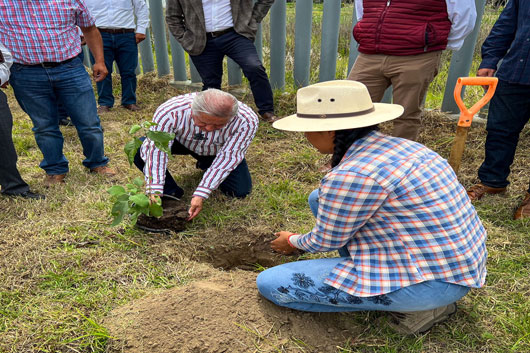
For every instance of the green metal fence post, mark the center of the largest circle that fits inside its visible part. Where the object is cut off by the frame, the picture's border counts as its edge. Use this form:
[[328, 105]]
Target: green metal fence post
[[158, 24], [146, 53], [277, 62], [302, 42], [330, 40]]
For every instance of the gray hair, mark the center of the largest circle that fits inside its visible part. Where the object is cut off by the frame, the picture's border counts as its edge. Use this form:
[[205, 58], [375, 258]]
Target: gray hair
[[215, 102]]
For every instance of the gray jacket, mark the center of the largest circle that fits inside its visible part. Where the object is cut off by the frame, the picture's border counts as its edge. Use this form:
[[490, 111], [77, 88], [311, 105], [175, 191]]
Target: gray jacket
[[185, 19]]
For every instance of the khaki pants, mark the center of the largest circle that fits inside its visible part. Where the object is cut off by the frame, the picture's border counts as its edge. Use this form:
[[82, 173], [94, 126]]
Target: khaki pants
[[409, 76]]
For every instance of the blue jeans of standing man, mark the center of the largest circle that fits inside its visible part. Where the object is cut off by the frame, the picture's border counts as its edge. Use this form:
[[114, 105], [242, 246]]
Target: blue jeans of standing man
[[209, 64], [39, 90], [122, 48], [509, 111]]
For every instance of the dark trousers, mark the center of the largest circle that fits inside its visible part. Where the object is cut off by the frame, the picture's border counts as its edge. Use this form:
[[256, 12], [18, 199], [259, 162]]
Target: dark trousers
[[509, 111], [209, 64], [10, 179], [237, 184], [122, 48]]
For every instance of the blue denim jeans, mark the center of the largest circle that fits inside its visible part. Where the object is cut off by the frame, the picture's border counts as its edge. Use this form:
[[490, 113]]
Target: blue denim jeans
[[122, 48], [209, 64], [300, 285], [39, 91], [237, 184], [509, 111]]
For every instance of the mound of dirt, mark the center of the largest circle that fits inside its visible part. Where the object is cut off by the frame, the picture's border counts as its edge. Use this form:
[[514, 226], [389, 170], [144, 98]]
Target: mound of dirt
[[224, 313]]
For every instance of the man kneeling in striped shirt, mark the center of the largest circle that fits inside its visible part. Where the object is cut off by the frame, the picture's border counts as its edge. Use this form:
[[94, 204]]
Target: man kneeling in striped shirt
[[213, 127]]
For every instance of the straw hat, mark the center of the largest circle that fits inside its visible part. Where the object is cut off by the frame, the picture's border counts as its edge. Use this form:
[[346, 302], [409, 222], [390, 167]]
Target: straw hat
[[336, 105]]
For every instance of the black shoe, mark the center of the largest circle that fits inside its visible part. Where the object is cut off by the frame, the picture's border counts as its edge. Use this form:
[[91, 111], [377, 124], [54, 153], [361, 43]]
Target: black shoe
[[65, 122], [28, 195]]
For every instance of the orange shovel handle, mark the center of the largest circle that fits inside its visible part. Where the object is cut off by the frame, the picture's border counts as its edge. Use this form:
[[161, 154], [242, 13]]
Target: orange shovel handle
[[466, 115]]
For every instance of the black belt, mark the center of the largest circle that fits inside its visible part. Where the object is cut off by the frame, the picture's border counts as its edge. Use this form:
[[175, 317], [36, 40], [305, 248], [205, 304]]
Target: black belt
[[219, 33], [48, 65], [117, 30]]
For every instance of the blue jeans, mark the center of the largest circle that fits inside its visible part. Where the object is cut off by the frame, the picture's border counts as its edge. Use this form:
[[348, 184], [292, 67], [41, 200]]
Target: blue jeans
[[209, 64], [122, 48], [39, 91], [509, 111], [237, 184], [300, 285]]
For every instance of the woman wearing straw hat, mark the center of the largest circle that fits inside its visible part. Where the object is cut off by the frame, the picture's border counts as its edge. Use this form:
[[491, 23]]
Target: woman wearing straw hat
[[409, 240]]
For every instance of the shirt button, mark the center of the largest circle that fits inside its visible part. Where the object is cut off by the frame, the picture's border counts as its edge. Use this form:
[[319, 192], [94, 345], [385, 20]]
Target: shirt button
[[521, 60]]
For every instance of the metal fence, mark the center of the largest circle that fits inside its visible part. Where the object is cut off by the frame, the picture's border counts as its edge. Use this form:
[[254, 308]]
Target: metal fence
[[460, 62]]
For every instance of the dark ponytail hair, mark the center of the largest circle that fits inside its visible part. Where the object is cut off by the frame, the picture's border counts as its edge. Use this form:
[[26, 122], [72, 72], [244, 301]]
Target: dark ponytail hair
[[345, 138]]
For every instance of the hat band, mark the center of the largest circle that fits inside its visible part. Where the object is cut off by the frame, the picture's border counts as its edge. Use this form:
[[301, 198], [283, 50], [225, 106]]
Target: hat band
[[341, 115]]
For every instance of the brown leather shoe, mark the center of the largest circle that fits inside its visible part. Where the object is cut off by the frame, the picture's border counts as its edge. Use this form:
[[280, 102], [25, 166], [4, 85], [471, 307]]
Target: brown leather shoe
[[132, 107], [103, 170], [53, 179], [478, 190], [269, 117], [103, 109], [523, 211]]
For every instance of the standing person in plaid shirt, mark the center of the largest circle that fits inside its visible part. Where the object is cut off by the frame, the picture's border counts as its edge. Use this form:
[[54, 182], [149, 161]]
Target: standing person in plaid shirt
[[44, 41], [409, 240]]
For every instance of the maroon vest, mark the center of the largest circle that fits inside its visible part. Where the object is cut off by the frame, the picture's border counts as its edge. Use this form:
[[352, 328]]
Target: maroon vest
[[402, 27]]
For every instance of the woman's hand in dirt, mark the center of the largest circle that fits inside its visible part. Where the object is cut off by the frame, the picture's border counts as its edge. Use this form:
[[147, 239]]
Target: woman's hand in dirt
[[281, 243], [195, 207]]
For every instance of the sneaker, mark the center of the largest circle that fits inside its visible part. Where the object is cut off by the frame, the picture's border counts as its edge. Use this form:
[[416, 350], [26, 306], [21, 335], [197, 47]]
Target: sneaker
[[415, 322], [104, 171], [523, 211], [53, 179], [478, 190]]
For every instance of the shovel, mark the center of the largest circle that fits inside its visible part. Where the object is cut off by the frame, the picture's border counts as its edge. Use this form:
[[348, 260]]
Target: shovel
[[466, 115]]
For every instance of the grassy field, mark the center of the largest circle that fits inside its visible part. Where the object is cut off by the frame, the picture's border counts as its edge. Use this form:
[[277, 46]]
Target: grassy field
[[63, 269]]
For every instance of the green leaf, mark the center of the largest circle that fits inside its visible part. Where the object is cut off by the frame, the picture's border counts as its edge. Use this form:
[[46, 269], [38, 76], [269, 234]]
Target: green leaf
[[116, 190], [138, 181], [123, 197], [119, 210], [131, 148], [161, 140], [156, 210], [134, 129], [140, 199], [148, 124]]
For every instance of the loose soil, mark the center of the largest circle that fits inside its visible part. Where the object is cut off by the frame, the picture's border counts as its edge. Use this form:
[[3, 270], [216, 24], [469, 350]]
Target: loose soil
[[173, 218], [223, 313]]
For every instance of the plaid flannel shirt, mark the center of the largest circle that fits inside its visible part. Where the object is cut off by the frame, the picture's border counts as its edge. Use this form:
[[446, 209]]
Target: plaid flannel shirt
[[44, 30], [403, 215]]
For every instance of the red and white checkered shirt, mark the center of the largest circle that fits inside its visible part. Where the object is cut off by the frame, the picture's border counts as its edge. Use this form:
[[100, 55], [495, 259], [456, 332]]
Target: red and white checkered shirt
[[44, 30], [403, 215], [228, 144]]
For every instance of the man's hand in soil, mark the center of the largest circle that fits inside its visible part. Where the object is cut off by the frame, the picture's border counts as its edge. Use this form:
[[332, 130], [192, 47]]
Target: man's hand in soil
[[281, 244], [195, 207]]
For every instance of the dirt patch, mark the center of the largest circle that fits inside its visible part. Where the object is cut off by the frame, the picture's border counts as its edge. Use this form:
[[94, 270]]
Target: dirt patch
[[243, 250], [173, 218], [224, 313]]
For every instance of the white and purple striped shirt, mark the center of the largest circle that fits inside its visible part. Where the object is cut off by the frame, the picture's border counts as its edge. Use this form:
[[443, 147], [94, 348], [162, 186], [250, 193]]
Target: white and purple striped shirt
[[228, 144]]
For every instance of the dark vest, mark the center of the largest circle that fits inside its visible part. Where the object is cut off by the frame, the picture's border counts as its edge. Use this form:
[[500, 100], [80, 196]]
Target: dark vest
[[402, 27]]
